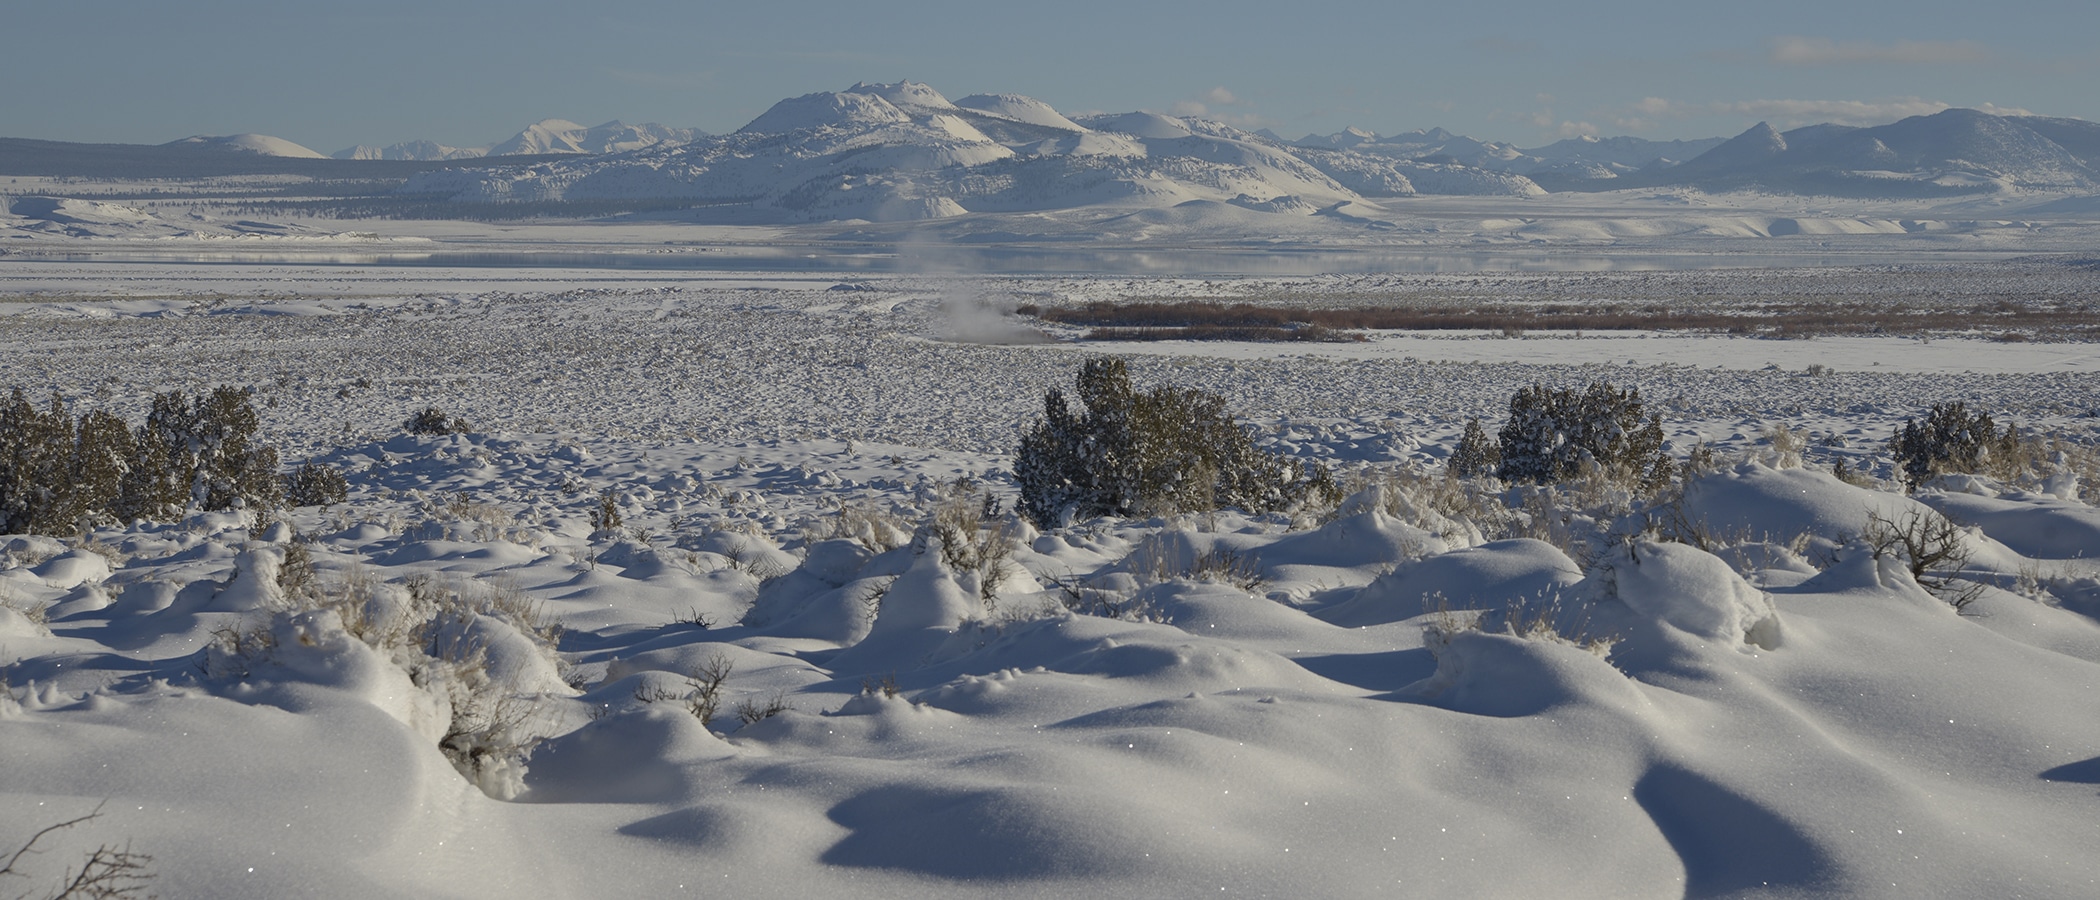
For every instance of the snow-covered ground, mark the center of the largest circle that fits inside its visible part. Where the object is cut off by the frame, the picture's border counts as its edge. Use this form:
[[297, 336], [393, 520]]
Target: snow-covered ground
[[1221, 704]]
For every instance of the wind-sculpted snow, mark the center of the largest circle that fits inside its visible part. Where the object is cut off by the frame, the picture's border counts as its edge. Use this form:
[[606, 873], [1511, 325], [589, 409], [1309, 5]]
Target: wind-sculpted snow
[[1416, 691]]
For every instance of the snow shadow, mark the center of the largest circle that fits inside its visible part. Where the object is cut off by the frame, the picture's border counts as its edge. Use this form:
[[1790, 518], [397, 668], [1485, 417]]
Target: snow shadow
[[1729, 845], [2081, 772]]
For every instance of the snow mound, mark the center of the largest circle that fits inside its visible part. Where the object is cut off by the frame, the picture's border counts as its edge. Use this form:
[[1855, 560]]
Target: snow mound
[[1693, 591], [1757, 502], [1485, 577], [2037, 527]]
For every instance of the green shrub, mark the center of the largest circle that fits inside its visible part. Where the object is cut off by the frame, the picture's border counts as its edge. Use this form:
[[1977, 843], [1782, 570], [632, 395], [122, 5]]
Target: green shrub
[[37, 451], [1128, 452], [1475, 455], [1553, 434], [59, 474], [313, 484], [1952, 439]]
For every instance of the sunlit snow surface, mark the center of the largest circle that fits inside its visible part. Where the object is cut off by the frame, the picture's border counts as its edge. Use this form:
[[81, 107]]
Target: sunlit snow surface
[[1786, 718]]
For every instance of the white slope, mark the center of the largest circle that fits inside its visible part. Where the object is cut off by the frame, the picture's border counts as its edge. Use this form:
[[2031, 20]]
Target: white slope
[[810, 112], [1146, 125], [1020, 109], [258, 144]]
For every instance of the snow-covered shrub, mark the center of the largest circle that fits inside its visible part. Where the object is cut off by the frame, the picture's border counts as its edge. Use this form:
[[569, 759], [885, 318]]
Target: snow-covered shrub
[[975, 543], [432, 420], [313, 484], [55, 473], [1786, 446], [458, 516], [1131, 452], [1542, 618], [1953, 439], [295, 574], [1459, 510], [1554, 433], [202, 452], [36, 468], [606, 515], [1475, 455], [862, 523], [474, 652], [1157, 560]]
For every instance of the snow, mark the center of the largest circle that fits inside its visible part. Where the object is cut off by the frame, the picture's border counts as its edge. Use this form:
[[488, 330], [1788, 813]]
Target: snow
[[825, 110], [1151, 126], [1020, 109], [1395, 696], [258, 144]]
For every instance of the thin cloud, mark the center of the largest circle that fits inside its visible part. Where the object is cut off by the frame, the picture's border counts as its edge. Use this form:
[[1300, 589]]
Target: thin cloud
[[1796, 50], [1207, 106]]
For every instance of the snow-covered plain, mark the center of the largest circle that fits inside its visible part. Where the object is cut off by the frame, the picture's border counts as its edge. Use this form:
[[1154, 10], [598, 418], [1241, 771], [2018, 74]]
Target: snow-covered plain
[[1197, 705]]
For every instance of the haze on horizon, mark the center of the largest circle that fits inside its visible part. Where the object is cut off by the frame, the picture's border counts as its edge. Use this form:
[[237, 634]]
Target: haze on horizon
[[1527, 71]]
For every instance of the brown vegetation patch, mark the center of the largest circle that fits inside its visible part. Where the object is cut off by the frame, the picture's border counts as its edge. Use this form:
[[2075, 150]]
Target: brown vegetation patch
[[1212, 320]]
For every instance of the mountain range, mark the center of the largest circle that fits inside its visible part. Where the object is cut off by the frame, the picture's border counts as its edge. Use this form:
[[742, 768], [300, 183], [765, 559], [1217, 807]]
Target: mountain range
[[542, 137], [904, 151]]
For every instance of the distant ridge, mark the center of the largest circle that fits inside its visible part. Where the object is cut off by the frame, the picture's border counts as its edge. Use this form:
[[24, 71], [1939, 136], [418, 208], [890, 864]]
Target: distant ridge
[[1949, 153]]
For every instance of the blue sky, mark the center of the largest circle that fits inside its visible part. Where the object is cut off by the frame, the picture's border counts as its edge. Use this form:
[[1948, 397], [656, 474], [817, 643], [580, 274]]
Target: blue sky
[[471, 73]]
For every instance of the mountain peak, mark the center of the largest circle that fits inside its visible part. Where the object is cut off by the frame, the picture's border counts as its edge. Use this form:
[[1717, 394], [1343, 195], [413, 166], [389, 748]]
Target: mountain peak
[[903, 93], [826, 110]]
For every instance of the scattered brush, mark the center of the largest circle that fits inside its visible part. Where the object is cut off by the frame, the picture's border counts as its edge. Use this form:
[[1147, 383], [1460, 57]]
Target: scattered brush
[[1932, 547], [108, 873]]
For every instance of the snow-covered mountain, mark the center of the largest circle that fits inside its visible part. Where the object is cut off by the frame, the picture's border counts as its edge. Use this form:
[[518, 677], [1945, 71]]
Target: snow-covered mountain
[[255, 144], [1578, 158], [563, 136], [1954, 152], [411, 150], [904, 151], [547, 136]]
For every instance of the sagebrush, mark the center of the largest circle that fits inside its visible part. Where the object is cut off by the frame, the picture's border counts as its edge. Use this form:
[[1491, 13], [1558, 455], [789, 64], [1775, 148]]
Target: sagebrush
[[1131, 452]]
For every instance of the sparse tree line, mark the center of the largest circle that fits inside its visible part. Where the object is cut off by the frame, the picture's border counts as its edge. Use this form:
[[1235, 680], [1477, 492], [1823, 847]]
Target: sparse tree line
[[1130, 452], [1122, 451], [60, 474]]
